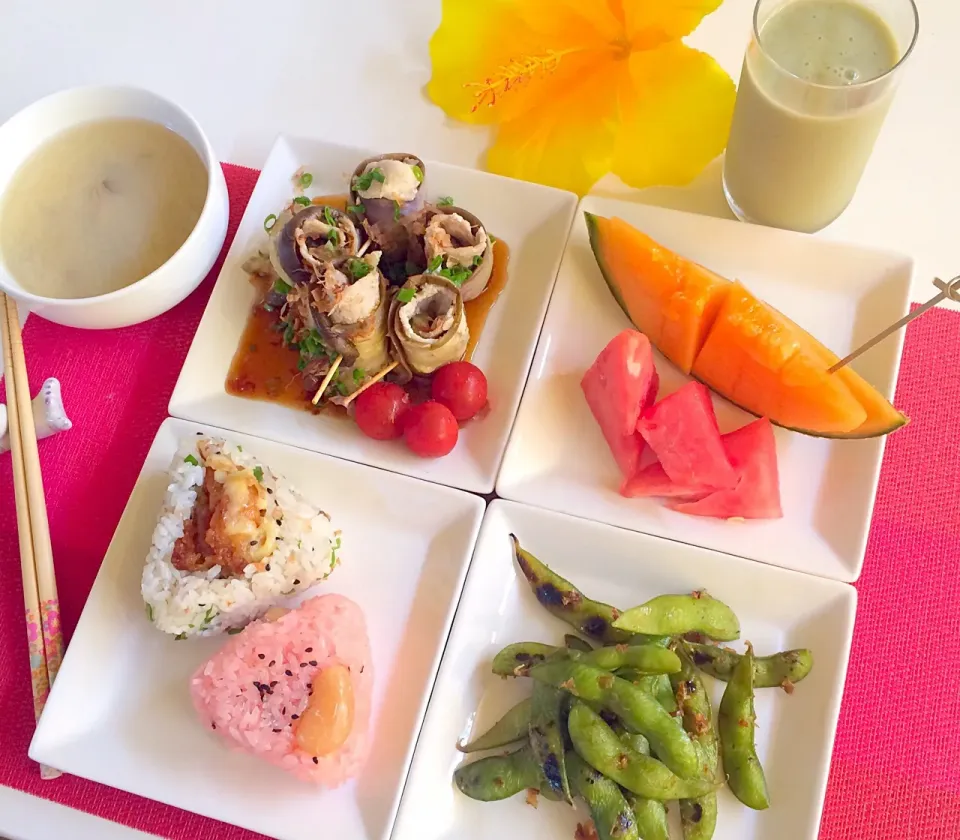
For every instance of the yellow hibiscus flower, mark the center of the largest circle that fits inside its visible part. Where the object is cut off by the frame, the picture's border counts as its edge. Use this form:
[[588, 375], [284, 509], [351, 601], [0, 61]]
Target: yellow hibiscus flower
[[579, 88]]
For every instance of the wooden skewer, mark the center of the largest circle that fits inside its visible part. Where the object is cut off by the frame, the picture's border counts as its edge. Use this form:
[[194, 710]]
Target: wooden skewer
[[372, 381], [326, 380], [40, 601], [949, 290]]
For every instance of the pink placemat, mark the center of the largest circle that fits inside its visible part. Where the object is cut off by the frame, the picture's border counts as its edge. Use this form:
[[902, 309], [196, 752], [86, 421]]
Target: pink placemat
[[894, 771]]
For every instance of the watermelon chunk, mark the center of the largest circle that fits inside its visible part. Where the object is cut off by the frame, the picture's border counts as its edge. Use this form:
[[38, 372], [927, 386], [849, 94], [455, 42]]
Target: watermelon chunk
[[621, 383], [652, 480], [753, 452], [682, 430]]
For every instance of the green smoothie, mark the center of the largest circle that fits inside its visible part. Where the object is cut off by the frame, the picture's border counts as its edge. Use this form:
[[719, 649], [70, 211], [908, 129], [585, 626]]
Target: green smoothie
[[807, 113]]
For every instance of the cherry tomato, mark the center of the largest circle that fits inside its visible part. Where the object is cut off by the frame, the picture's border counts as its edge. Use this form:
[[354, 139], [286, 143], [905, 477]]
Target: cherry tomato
[[379, 410], [430, 430], [461, 387]]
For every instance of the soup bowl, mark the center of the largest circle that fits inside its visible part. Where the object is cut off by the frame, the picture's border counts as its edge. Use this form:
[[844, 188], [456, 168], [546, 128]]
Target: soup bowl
[[169, 284]]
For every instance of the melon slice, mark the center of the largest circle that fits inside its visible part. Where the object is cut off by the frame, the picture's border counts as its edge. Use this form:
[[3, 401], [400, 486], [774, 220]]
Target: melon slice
[[620, 383], [752, 450], [682, 431], [672, 300]]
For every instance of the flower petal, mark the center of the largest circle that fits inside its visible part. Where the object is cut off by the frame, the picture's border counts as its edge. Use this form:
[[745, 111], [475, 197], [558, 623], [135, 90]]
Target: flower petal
[[676, 112], [652, 22], [566, 141], [493, 60]]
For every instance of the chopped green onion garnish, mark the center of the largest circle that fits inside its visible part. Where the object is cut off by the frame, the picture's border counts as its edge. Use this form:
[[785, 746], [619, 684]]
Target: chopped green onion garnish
[[405, 295], [477, 260], [493, 239], [301, 364], [418, 173], [191, 460], [364, 181], [333, 237], [342, 388], [358, 268], [239, 448], [258, 473], [359, 209], [435, 263], [269, 222], [209, 616], [396, 211], [328, 217], [180, 637], [267, 307], [456, 275], [149, 613], [281, 287], [305, 180], [302, 200], [359, 374], [445, 201]]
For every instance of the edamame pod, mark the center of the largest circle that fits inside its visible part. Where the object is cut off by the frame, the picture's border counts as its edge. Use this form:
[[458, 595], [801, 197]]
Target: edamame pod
[[576, 643], [598, 745], [612, 816], [547, 712], [651, 817], [498, 777], [698, 817], [674, 615], [645, 659], [637, 710], [513, 726], [782, 669], [562, 599], [737, 725], [517, 659], [659, 686]]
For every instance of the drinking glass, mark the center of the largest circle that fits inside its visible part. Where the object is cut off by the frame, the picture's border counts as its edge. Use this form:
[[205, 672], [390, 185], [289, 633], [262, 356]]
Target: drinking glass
[[797, 148]]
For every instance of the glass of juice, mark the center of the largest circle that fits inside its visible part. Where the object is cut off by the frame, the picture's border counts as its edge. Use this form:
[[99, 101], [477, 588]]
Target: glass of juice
[[817, 81]]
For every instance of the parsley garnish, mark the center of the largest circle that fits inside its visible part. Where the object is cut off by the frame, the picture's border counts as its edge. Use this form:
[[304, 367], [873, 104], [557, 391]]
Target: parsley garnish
[[191, 460], [396, 210], [405, 295], [359, 374], [281, 287], [435, 263], [445, 201], [258, 473], [364, 181], [358, 268], [305, 180], [269, 222], [303, 201], [328, 217], [357, 208], [417, 173]]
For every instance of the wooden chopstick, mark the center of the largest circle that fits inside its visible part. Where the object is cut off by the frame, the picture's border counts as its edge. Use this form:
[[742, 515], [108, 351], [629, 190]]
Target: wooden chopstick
[[40, 601]]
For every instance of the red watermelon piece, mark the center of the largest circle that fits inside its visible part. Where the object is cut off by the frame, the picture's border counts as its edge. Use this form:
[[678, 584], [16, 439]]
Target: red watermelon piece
[[682, 430], [652, 480], [752, 451], [620, 383]]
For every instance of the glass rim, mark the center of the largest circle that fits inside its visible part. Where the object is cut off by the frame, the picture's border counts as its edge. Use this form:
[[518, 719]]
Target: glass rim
[[906, 54]]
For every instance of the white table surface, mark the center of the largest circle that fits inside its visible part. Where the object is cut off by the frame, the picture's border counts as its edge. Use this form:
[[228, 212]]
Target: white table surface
[[250, 70]]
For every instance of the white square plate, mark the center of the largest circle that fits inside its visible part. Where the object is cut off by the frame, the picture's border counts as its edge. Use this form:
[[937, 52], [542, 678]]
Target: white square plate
[[843, 294], [120, 712], [533, 221], [778, 610]]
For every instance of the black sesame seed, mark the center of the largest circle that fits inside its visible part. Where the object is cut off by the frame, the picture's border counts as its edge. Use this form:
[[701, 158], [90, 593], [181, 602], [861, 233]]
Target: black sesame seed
[[268, 567], [279, 522], [296, 581], [361, 669], [213, 726], [273, 684], [253, 542], [262, 655], [313, 662], [303, 664], [272, 662], [288, 672], [199, 434], [316, 760], [294, 717], [309, 650], [277, 730], [270, 491]]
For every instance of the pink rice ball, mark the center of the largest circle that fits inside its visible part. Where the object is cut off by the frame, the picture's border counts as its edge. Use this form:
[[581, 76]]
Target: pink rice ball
[[254, 690]]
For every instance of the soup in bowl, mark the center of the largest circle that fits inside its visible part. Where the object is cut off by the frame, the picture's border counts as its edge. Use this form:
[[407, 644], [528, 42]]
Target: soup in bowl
[[113, 207]]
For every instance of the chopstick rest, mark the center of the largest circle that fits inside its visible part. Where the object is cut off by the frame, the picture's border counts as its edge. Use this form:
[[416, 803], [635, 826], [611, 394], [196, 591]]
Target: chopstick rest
[[49, 415]]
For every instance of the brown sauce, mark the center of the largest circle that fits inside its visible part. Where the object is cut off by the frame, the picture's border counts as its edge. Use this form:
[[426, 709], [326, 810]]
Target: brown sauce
[[264, 369]]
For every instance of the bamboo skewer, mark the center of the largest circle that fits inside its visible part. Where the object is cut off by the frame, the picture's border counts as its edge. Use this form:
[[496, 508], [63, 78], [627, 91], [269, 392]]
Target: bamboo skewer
[[40, 601], [949, 290], [371, 381], [326, 380]]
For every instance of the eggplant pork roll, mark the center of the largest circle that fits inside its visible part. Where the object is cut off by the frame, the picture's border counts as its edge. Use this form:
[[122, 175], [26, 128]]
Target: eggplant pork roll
[[384, 189], [456, 246], [427, 325], [302, 243]]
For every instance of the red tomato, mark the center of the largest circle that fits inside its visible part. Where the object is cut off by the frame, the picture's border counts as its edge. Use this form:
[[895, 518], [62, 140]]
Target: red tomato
[[380, 409], [461, 387], [430, 430]]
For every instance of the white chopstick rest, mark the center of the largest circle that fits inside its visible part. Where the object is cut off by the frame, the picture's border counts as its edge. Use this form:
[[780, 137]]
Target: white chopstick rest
[[49, 414]]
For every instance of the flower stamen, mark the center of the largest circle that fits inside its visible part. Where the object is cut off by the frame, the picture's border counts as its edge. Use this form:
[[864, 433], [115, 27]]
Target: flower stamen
[[513, 73]]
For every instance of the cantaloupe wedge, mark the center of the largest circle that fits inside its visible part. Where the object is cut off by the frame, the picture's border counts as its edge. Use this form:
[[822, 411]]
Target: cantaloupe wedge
[[742, 348], [670, 299]]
